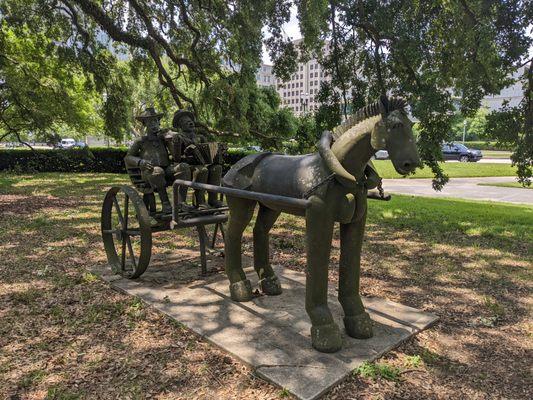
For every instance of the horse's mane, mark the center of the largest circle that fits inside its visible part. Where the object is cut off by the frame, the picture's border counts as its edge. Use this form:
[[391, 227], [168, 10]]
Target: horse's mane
[[368, 111]]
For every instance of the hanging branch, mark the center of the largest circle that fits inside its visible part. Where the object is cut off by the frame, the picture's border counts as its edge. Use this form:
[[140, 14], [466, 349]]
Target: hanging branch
[[148, 43], [334, 33]]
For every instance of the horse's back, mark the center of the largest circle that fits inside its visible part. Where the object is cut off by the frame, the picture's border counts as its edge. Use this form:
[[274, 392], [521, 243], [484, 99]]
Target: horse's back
[[278, 174]]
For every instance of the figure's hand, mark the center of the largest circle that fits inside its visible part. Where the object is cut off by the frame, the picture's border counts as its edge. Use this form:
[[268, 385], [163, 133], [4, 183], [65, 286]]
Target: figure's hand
[[146, 165]]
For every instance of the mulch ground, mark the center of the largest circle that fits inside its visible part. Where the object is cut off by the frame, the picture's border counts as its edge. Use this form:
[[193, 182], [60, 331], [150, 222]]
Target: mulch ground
[[64, 334]]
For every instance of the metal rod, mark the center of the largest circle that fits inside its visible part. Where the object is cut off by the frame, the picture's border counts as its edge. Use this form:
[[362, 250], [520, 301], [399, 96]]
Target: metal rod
[[202, 236], [283, 201], [205, 220]]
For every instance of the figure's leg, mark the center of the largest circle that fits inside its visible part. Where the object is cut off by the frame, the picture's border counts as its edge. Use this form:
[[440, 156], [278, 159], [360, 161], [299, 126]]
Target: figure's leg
[[268, 281], [215, 174], [240, 214], [182, 171], [157, 181], [356, 321], [200, 175], [325, 333]]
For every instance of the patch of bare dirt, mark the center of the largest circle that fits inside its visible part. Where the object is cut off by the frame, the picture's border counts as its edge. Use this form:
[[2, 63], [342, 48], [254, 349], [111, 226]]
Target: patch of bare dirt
[[16, 204], [65, 334]]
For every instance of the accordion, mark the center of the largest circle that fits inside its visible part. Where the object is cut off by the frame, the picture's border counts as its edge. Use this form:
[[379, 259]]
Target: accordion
[[205, 153]]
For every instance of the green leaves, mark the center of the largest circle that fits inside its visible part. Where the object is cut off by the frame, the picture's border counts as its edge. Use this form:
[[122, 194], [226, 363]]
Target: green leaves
[[442, 56], [40, 90]]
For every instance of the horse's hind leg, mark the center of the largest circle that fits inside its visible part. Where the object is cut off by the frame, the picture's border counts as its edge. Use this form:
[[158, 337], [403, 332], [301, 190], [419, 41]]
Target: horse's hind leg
[[240, 214], [268, 281]]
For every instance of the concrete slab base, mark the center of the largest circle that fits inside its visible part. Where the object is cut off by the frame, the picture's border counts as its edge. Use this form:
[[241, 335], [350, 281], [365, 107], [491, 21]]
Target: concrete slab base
[[270, 333]]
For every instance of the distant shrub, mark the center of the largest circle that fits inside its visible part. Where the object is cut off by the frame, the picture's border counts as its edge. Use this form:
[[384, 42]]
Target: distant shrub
[[63, 160], [97, 159], [481, 145]]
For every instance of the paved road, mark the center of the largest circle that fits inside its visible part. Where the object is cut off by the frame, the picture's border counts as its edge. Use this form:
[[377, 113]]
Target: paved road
[[464, 188]]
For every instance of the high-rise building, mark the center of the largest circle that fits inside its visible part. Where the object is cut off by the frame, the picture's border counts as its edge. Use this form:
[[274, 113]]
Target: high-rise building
[[264, 76], [512, 95], [299, 92]]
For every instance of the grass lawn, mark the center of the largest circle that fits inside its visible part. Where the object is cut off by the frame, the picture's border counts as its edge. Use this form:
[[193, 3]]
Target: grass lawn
[[453, 170], [506, 184], [64, 334]]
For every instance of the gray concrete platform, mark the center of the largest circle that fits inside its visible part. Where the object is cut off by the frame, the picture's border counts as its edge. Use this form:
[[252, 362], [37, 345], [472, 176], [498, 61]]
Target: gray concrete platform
[[270, 333]]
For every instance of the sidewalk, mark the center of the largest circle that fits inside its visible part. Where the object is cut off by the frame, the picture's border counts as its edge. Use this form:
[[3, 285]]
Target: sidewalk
[[463, 188]]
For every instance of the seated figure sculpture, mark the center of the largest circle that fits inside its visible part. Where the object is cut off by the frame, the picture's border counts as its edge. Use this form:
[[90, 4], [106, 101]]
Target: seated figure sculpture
[[203, 170], [150, 154]]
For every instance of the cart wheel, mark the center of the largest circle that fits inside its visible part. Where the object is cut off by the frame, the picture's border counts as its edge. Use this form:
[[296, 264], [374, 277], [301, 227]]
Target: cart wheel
[[126, 231]]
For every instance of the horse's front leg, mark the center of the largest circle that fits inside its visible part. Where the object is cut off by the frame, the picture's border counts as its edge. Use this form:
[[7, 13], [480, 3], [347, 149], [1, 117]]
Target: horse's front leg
[[240, 213], [356, 320], [325, 334]]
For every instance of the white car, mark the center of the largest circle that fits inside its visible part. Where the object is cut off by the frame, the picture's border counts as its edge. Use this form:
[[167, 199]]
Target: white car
[[67, 143], [382, 155]]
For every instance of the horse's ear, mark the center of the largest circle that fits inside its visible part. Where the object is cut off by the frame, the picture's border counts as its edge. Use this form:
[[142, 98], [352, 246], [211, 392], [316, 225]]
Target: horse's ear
[[383, 105]]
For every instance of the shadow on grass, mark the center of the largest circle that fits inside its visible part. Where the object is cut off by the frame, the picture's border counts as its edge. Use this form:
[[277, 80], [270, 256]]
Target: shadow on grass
[[461, 260]]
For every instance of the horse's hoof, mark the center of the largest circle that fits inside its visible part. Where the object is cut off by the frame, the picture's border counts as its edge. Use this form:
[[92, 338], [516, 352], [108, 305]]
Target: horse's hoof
[[270, 285], [359, 326], [241, 291], [326, 338]]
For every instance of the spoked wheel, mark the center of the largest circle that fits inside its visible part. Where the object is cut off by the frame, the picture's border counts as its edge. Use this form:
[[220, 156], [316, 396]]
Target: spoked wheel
[[126, 231]]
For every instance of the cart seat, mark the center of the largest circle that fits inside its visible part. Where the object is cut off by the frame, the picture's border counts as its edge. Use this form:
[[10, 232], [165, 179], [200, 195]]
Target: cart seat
[[137, 180]]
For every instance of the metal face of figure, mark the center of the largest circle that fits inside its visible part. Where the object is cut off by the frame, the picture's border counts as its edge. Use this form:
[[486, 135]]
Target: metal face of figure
[[203, 171], [150, 154]]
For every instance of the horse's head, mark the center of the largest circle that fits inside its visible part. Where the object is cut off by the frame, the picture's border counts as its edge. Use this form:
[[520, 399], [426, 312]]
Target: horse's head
[[394, 133]]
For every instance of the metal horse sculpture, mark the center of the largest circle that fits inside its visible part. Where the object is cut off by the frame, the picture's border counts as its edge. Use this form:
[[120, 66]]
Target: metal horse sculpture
[[333, 181]]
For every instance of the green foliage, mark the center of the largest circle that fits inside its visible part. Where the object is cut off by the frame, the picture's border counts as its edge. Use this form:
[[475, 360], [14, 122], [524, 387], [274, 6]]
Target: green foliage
[[513, 126], [413, 361], [475, 126], [307, 135], [417, 50], [41, 92], [488, 145], [71, 160], [377, 370], [96, 159], [69, 69]]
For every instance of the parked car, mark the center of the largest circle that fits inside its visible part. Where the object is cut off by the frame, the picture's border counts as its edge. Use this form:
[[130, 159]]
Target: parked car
[[458, 151], [66, 143], [381, 155]]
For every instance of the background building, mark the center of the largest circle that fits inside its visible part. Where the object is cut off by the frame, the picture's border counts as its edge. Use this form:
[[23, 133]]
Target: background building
[[299, 92], [264, 76], [513, 94]]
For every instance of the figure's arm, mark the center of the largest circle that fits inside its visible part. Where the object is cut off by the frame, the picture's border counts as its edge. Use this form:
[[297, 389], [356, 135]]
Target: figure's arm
[[132, 158]]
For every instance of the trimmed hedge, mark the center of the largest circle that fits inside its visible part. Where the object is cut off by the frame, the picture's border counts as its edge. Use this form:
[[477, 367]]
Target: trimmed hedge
[[68, 160], [480, 145], [78, 160]]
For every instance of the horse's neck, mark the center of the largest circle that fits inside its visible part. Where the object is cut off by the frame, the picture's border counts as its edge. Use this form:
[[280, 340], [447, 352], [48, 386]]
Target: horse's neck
[[353, 149]]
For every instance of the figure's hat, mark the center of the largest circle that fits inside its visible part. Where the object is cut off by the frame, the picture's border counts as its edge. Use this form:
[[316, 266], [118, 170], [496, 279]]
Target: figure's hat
[[179, 115], [148, 114]]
